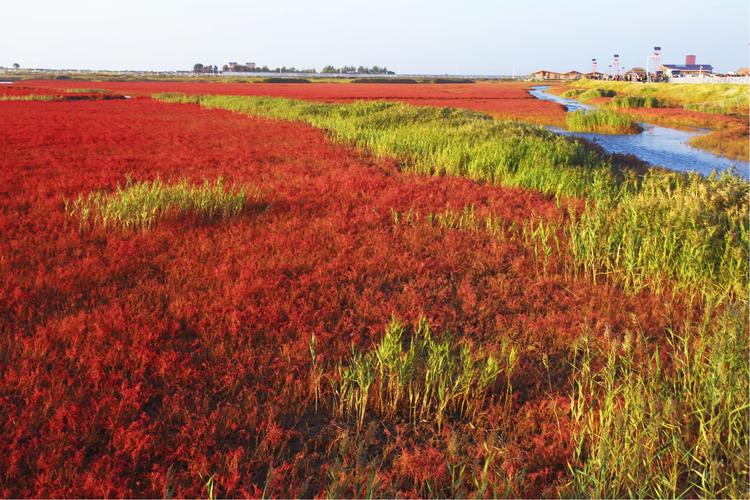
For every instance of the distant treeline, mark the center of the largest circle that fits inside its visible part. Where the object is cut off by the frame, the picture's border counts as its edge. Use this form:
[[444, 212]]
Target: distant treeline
[[360, 70], [248, 68]]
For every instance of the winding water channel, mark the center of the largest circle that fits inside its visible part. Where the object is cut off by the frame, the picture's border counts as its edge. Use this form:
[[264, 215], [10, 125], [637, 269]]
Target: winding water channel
[[662, 146]]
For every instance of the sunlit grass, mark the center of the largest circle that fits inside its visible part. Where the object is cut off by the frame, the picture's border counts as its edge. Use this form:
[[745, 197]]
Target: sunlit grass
[[585, 95], [733, 142], [677, 229], [665, 227], [709, 97], [29, 97], [140, 205], [664, 424], [602, 121], [418, 376], [635, 102], [442, 141]]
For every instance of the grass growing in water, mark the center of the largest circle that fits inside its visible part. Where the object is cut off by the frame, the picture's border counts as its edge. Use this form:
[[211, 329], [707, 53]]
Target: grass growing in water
[[601, 121], [585, 95], [635, 102], [421, 378], [140, 205], [665, 424]]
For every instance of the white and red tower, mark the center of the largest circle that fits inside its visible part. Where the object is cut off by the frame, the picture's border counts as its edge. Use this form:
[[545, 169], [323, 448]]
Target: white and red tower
[[616, 66], [657, 60], [593, 68]]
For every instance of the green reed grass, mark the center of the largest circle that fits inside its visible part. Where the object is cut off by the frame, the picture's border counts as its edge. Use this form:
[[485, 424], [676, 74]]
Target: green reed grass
[[665, 424], [178, 98], [443, 141], [634, 230], [647, 424], [421, 377], [28, 97], [602, 121], [728, 105], [712, 98], [465, 220], [140, 205], [86, 91], [635, 102], [585, 95], [678, 229]]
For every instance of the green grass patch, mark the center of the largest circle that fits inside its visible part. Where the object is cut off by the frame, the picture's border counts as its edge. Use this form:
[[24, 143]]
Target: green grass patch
[[664, 424], [417, 376], [583, 94], [86, 91], [140, 205], [664, 228], [635, 102], [724, 98], [601, 121], [177, 98], [29, 97], [443, 141], [669, 229]]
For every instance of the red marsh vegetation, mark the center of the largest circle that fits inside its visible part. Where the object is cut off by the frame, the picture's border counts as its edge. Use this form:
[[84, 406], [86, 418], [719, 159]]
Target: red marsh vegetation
[[508, 100], [145, 362]]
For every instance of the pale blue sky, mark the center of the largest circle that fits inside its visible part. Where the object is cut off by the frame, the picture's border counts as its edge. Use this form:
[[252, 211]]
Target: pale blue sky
[[409, 36]]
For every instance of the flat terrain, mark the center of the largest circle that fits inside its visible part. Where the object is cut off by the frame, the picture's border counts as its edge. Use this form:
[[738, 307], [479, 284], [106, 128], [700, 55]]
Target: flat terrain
[[501, 100], [192, 355]]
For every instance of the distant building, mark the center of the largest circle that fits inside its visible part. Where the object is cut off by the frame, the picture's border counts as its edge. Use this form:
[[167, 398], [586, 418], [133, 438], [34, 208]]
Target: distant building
[[635, 74], [250, 65], [594, 75], [572, 75], [232, 66], [690, 68]]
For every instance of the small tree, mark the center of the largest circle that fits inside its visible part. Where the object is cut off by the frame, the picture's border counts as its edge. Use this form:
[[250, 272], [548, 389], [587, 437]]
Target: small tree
[[198, 68], [16, 65]]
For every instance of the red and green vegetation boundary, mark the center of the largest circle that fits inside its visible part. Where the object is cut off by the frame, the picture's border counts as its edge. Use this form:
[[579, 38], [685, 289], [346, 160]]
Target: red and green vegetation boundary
[[721, 108], [505, 100], [276, 349]]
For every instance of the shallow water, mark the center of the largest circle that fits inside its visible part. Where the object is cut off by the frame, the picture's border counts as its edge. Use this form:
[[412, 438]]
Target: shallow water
[[662, 146]]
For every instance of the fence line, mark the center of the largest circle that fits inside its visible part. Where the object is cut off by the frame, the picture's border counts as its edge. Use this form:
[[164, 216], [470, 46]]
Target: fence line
[[711, 79]]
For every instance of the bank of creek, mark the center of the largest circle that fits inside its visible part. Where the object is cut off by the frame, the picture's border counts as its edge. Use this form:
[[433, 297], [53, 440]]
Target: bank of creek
[[660, 146]]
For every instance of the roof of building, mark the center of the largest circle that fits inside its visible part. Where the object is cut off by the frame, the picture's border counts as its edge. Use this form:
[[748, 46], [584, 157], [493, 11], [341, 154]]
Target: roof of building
[[689, 67]]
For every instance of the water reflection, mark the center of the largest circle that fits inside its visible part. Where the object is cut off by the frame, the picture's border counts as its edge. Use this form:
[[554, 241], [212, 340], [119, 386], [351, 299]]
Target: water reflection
[[663, 146]]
